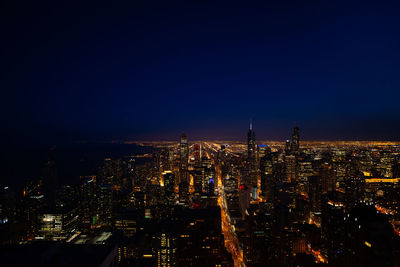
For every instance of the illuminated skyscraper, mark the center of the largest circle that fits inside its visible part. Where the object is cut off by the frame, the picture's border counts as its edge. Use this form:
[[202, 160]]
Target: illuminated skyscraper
[[104, 204], [290, 169], [354, 184], [87, 201], [184, 155], [210, 187], [263, 150], [252, 179], [251, 143], [328, 178], [198, 177], [169, 185], [57, 224], [266, 169], [295, 139], [196, 152], [164, 247]]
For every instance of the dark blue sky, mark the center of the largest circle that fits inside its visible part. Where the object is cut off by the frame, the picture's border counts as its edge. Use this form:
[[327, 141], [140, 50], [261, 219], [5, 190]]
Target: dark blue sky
[[149, 70]]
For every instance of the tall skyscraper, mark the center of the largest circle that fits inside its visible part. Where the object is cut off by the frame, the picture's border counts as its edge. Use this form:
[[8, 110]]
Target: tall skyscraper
[[328, 178], [164, 247], [290, 169], [252, 179], [104, 204], [295, 139], [244, 199], [184, 155], [196, 152], [266, 170], [198, 178], [251, 143], [169, 187], [87, 201], [184, 192], [315, 193], [288, 147]]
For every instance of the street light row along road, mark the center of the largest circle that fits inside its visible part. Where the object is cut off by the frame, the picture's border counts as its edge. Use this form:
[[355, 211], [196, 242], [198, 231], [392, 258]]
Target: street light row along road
[[231, 240]]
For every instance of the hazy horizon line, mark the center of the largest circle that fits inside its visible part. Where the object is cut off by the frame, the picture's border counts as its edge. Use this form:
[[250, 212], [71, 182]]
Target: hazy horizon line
[[232, 140]]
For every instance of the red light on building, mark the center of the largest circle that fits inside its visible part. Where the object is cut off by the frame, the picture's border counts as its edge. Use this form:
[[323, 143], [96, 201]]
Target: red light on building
[[242, 187]]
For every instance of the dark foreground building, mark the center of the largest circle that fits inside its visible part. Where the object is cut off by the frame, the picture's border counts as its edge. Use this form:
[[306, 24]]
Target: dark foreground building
[[59, 254]]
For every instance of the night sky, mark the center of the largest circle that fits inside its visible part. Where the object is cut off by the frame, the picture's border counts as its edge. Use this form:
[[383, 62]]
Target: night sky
[[152, 70]]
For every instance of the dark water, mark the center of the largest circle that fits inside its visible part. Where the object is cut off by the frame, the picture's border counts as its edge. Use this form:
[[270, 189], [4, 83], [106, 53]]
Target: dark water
[[20, 164]]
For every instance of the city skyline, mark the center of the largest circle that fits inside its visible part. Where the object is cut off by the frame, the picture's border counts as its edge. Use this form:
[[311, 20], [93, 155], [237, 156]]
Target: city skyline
[[209, 203], [209, 133]]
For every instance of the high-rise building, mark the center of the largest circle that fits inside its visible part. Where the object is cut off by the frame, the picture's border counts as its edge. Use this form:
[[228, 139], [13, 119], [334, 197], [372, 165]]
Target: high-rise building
[[131, 170], [184, 155], [244, 199], [57, 224], [266, 169], [7, 204], [263, 150], [252, 177], [200, 241], [287, 147], [328, 178], [104, 204], [198, 177], [251, 143], [86, 210], [369, 238], [169, 187], [126, 221], [196, 152], [354, 184], [295, 139], [290, 169], [315, 193], [396, 167], [184, 192], [333, 226], [164, 246], [210, 187], [59, 254]]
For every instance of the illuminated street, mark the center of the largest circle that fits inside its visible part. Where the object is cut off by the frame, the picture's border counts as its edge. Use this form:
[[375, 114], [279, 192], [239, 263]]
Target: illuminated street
[[231, 240]]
